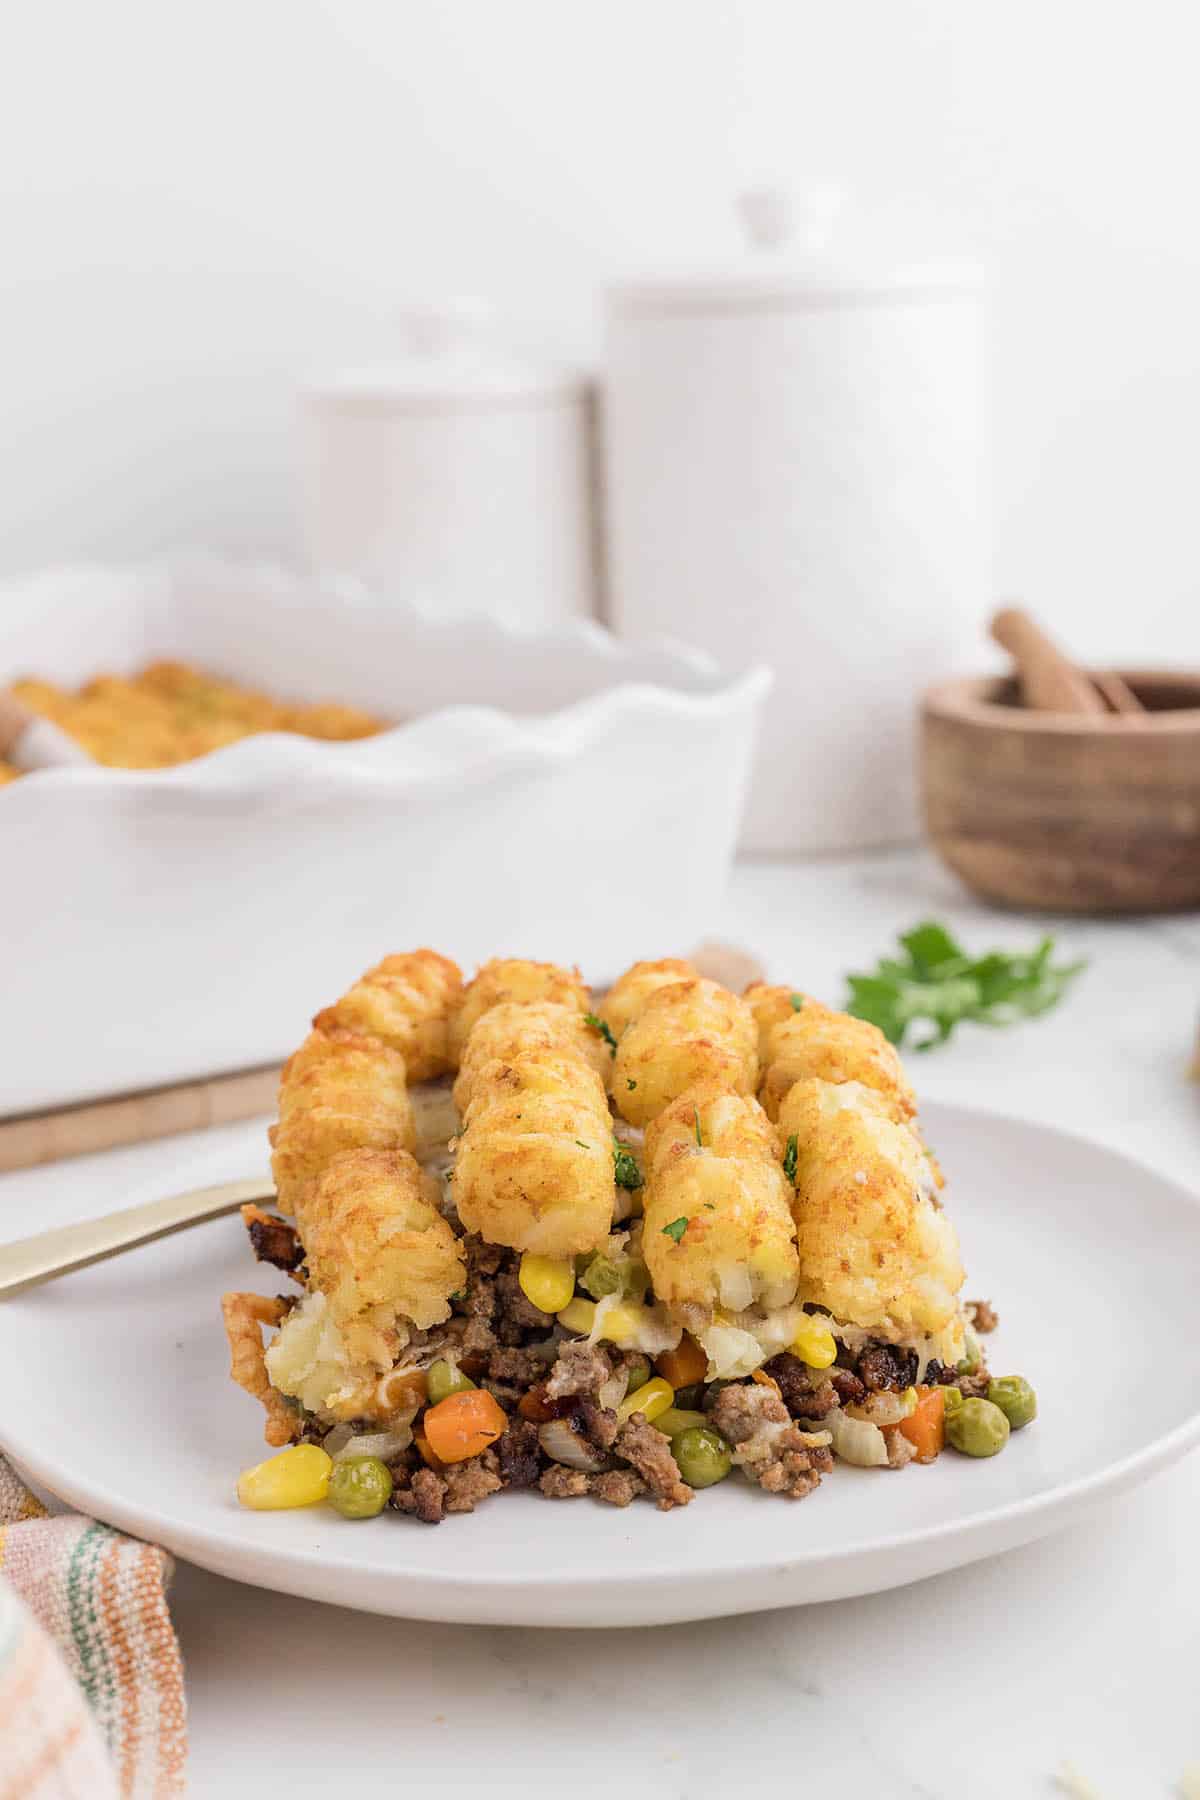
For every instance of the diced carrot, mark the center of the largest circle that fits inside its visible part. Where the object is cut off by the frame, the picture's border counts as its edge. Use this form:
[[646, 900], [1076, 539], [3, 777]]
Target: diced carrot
[[534, 1405], [463, 1424], [427, 1456], [683, 1366], [925, 1426]]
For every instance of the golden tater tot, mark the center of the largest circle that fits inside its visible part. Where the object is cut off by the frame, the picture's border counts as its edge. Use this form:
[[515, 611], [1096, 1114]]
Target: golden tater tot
[[513, 979], [8, 773], [380, 1260], [534, 1165], [512, 1029], [718, 1219], [771, 1006], [832, 1046], [874, 1247], [686, 1033], [338, 1092], [626, 998], [406, 1001]]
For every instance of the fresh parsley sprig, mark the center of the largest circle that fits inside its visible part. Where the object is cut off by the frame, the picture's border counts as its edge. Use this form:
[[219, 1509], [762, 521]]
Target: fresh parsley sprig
[[938, 983], [626, 1172], [605, 1030]]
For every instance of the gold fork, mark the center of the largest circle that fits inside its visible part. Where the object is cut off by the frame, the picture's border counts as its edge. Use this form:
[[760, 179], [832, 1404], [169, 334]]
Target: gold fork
[[33, 1260]]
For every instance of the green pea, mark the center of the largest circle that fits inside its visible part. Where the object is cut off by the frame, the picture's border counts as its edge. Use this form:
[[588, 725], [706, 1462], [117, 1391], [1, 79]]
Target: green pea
[[444, 1379], [601, 1278], [360, 1487], [703, 1456], [1015, 1398], [952, 1400], [677, 1419], [977, 1428], [639, 1374], [974, 1354]]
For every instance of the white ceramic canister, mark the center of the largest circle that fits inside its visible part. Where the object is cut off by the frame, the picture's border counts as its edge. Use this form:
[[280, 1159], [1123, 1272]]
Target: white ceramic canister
[[794, 470], [458, 478]]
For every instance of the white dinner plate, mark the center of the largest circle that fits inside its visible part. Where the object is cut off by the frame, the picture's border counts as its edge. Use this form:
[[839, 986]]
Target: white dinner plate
[[115, 1395]]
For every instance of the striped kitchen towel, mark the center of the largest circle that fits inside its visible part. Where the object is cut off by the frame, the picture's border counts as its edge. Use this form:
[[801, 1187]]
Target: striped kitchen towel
[[91, 1682]]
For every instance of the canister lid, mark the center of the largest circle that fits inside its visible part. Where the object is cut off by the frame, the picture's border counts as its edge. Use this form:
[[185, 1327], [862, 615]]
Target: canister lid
[[451, 361], [797, 252]]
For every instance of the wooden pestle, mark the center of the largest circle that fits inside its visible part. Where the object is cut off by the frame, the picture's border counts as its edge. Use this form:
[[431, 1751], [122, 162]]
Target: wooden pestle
[[1049, 682]]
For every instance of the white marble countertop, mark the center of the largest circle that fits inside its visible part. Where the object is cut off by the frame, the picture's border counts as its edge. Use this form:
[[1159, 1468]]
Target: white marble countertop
[[1082, 1649]]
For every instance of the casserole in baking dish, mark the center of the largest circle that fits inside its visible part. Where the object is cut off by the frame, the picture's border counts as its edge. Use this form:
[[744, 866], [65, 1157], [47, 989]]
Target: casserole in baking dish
[[547, 787]]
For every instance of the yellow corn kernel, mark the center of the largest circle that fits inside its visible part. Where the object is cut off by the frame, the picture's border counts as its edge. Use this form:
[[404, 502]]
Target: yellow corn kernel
[[651, 1399], [547, 1282], [578, 1315], [814, 1343], [621, 1323], [296, 1477]]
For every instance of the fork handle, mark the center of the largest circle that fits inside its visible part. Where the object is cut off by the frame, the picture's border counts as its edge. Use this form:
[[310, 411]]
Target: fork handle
[[51, 1253]]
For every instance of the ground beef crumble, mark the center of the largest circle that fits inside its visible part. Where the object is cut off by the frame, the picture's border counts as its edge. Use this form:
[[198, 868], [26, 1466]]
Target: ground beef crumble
[[900, 1451], [423, 1497], [517, 1450], [846, 1385], [768, 1447], [650, 1453], [982, 1315], [807, 1393], [560, 1483], [887, 1366], [274, 1241], [466, 1483], [582, 1368]]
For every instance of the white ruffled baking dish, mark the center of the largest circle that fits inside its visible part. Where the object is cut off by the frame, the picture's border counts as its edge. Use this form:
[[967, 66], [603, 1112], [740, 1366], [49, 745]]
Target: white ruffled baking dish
[[559, 794]]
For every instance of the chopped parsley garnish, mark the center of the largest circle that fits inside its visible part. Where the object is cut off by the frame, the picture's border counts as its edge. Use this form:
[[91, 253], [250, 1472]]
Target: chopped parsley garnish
[[789, 1160], [797, 1001], [699, 1133], [597, 1024], [937, 983], [675, 1229], [625, 1167], [582, 1145], [630, 1084]]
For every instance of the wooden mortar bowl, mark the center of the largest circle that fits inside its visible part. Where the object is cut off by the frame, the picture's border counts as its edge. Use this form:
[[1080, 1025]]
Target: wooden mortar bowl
[[1066, 813]]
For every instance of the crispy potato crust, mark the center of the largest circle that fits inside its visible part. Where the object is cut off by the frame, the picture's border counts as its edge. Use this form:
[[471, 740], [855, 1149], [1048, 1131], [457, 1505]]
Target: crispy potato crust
[[687, 1033], [626, 998], [817, 1043], [513, 979], [379, 1251], [512, 1029], [712, 1161], [534, 1168], [874, 1247], [245, 1315], [406, 1001], [340, 1091], [772, 1006]]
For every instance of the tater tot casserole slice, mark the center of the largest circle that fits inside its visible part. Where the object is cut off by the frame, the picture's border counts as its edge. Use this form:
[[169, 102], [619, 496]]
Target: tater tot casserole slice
[[614, 1245]]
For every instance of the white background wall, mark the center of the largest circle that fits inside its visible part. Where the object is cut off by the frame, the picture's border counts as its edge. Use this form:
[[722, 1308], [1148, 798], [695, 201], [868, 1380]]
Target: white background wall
[[201, 203]]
